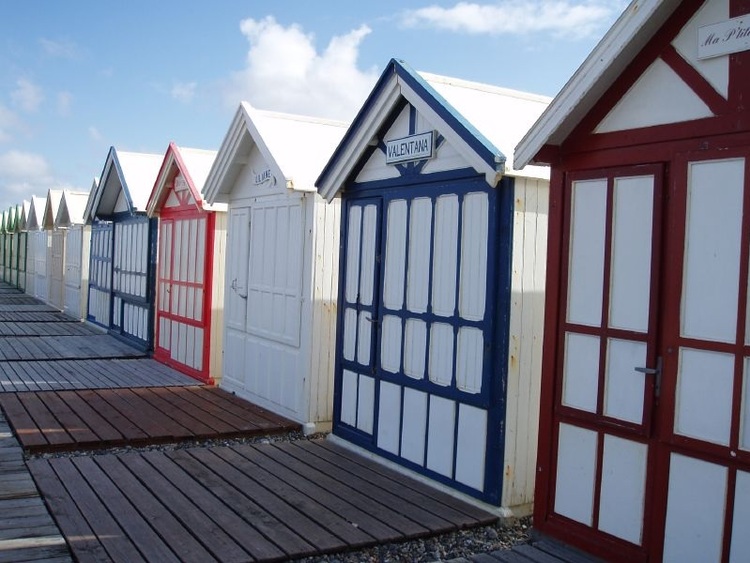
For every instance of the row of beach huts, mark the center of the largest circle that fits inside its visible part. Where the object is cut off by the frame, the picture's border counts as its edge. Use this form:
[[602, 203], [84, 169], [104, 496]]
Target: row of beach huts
[[520, 299]]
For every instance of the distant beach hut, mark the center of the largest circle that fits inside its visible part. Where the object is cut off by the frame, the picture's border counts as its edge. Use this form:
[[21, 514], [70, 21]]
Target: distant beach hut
[[71, 220], [123, 247]]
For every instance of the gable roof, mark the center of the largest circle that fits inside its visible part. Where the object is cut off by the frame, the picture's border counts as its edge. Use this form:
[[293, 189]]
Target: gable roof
[[36, 213], [72, 208], [294, 147], [133, 173], [50, 208], [22, 215], [482, 122], [633, 29], [194, 164], [9, 219]]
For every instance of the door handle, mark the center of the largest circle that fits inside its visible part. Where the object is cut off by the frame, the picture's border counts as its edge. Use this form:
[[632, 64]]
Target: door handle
[[656, 371], [373, 321]]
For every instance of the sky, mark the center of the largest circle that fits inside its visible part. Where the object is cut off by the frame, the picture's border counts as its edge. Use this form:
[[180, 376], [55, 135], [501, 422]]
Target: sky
[[80, 76]]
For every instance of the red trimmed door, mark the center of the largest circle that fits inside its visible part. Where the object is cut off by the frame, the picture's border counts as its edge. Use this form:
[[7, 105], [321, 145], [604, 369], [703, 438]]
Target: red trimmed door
[[649, 457], [183, 303]]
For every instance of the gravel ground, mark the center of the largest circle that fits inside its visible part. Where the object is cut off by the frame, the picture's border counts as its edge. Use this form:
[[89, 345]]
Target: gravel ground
[[462, 543]]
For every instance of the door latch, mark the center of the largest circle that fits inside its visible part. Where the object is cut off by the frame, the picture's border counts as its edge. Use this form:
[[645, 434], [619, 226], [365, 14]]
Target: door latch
[[655, 372]]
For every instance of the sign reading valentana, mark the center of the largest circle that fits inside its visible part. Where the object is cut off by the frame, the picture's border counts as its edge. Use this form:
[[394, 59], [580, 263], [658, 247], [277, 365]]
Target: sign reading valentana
[[413, 147]]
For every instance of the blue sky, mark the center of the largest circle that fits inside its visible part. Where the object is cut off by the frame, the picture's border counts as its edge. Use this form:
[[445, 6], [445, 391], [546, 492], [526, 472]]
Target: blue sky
[[78, 77]]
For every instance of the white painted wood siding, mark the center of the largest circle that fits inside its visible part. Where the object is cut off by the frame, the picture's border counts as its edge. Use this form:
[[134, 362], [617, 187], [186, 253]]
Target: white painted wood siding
[[130, 264], [40, 265], [56, 268], [529, 261], [100, 275], [77, 245], [22, 254]]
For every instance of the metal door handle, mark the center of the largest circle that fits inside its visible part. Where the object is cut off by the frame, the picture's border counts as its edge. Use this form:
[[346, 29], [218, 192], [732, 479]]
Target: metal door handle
[[371, 320]]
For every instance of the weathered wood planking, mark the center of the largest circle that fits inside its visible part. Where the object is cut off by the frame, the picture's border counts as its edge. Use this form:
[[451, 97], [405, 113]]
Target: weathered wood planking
[[87, 374], [36, 307], [36, 317], [27, 531], [240, 503], [47, 329], [15, 348], [8, 299], [86, 419]]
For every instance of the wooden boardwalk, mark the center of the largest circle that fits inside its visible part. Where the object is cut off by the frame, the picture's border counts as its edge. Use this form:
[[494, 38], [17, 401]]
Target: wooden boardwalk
[[540, 550], [101, 418], [268, 502], [27, 531], [68, 388]]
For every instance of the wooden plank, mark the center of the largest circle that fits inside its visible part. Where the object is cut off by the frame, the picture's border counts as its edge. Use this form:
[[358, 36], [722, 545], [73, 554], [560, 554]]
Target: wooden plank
[[474, 511], [242, 405], [51, 429], [22, 422], [213, 536], [176, 397], [534, 554], [250, 539], [163, 424], [200, 399], [183, 417], [564, 552], [284, 481], [97, 423], [81, 538], [76, 428], [381, 512], [108, 411], [394, 485], [146, 540], [295, 532], [390, 501], [34, 549], [180, 539]]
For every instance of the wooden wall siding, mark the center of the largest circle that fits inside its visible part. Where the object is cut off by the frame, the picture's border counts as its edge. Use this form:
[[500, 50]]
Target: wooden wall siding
[[56, 268], [131, 270], [8, 260], [326, 221], [414, 377], [181, 287], [78, 244], [100, 274], [40, 264], [23, 238], [216, 357], [529, 255], [30, 263]]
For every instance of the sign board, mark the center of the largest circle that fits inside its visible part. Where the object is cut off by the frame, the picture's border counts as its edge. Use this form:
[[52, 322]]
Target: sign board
[[724, 38], [413, 147], [264, 177]]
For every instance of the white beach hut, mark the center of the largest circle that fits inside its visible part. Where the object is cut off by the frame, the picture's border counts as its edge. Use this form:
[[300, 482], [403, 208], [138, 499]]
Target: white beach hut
[[282, 256], [55, 250], [70, 220]]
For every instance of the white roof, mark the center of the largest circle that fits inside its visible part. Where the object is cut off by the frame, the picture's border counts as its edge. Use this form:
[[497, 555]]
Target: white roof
[[633, 29], [72, 209], [23, 215], [296, 148], [502, 115], [51, 207], [36, 213]]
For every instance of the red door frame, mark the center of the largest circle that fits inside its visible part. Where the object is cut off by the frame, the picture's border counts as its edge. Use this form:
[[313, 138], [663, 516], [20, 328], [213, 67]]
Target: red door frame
[[162, 354]]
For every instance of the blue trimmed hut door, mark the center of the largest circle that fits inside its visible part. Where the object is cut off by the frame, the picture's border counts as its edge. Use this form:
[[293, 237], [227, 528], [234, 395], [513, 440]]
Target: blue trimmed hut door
[[416, 327], [100, 274]]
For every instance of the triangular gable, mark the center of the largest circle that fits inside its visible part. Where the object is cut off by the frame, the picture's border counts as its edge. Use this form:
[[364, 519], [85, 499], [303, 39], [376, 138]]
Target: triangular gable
[[9, 223], [293, 149], [88, 212], [3, 221], [71, 209], [22, 215], [126, 182], [654, 45], [180, 180], [50, 208], [36, 213], [480, 122]]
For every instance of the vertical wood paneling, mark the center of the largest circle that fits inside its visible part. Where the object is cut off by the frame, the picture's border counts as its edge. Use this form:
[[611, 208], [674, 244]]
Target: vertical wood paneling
[[418, 273], [473, 274], [471, 445], [414, 425], [445, 256], [389, 420], [441, 354], [440, 441], [469, 359], [395, 255], [576, 469]]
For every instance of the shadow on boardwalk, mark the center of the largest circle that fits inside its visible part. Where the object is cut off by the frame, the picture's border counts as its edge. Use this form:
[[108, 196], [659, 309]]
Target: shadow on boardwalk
[[71, 393]]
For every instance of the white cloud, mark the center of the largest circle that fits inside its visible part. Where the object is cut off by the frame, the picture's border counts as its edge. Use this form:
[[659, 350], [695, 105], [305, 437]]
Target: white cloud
[[561, 18], [184, 91], [64, 100], [27, 95], [23, 174], [9, 122], [63, 49], [285, 72], [94, 134]]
